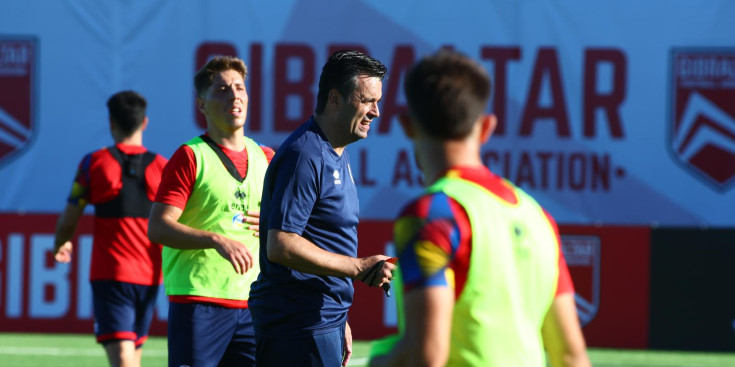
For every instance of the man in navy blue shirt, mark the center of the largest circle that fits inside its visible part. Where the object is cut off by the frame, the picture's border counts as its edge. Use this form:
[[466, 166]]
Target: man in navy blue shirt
[[310, 213]]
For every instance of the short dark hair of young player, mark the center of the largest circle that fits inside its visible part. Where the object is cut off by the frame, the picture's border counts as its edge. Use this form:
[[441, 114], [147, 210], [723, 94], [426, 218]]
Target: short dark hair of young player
[[127, 110], [446, 93], [203, 78], [341, 72]]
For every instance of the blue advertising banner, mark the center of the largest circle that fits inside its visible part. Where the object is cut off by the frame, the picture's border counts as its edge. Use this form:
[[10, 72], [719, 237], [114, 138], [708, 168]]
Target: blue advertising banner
[[614, 113]]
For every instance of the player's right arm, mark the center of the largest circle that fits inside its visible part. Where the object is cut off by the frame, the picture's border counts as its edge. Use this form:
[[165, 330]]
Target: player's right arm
[[428, 235], [561, 332], [66, 226], [163, 227]]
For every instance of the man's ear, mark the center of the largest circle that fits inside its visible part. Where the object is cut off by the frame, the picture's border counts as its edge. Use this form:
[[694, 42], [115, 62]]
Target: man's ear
[[406, 124], [201, 105], [334, 97], [144, 125], [487, 126]]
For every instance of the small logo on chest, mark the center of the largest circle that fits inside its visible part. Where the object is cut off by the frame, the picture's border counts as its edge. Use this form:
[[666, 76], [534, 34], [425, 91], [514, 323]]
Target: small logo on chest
[[337, 180], [238, 220]]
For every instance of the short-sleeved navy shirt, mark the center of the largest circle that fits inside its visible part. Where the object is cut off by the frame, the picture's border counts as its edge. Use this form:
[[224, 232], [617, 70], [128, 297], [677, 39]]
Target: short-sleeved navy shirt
[[308, 190]]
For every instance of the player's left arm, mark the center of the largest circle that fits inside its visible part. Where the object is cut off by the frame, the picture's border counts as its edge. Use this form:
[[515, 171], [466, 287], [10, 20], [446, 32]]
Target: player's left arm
[[298, 253], [268, 151], [561, 332], [428, 325]]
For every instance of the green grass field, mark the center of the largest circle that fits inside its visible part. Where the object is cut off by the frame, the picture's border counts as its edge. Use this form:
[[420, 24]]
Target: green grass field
[[78, 350]]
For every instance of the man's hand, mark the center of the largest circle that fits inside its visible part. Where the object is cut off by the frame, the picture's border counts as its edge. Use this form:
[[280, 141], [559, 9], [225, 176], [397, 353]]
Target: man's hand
[[234, 251], [253, 219], [377, 271], [347, 353], [164, 228], [63, 253]]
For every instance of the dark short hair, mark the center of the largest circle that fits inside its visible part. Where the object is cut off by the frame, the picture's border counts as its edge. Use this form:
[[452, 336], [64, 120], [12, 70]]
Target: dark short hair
[[341, 72], [127, 110], [446, 93], [203, 78]]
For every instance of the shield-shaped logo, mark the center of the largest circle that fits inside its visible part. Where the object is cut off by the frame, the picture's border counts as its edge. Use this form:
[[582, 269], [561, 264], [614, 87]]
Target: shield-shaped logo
[[18, 59], [582, 254], [702, 113]]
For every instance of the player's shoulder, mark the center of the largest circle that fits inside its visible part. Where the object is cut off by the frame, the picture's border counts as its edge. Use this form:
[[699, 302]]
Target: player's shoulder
[[267, 150], [90, 158], [528, 199], [182, 156], [307, 137], [183, 150], [100, 152], [99, 156], [304, 147], [427, 203]]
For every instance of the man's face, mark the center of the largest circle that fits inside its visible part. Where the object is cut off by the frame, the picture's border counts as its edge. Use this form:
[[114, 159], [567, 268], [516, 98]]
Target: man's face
[[225, 103], [361, 107]]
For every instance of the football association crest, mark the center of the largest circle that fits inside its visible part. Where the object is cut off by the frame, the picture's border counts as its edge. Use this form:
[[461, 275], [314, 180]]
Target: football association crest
[[18, 94], [582, 254], [702, 113]]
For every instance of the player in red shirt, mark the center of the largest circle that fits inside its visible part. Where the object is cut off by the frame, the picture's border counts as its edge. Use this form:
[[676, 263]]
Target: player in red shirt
[[206, 214], [121, 182]]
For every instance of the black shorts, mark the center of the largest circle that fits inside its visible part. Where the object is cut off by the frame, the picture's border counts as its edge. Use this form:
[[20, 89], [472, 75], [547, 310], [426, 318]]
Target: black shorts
[[122, 311]]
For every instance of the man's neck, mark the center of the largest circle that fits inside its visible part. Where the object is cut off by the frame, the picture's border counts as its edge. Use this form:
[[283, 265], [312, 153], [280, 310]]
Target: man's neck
[[135, 139], [326, 126], [438, 157], [234, 140]]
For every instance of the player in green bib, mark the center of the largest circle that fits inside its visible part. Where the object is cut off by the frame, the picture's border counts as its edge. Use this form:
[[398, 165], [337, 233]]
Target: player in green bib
[[206, 214], [481, 278], [215, 206]]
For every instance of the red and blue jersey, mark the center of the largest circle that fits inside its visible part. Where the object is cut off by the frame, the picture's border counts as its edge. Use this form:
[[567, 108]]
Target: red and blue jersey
[[121, 250], [442, 228]]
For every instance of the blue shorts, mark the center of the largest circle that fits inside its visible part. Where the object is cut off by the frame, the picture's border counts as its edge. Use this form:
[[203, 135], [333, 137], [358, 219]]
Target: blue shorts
[[201, 334], [311, 350], [122, 311]]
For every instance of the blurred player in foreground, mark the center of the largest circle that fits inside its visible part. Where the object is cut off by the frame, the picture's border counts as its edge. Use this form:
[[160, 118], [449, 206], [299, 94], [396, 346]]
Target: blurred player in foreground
[[206, 216], [310, 212], [121, 182], [483, 279]]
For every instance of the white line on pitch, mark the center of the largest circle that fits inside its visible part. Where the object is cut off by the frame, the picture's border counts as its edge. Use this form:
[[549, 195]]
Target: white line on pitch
[[70, 351]]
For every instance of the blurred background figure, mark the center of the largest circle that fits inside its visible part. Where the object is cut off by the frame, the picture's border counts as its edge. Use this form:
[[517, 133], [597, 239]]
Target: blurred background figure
[[121, 182]]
